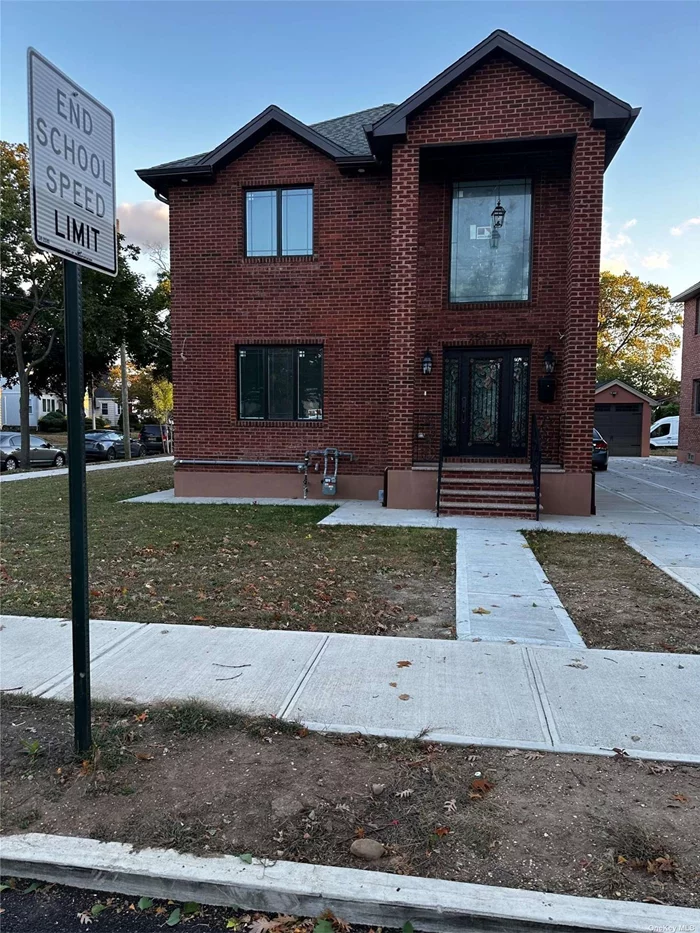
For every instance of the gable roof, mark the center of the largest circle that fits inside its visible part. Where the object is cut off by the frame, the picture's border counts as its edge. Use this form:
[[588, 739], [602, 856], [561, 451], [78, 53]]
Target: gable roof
[[365, 135], [600, 386], [692, 292], [609, 112]]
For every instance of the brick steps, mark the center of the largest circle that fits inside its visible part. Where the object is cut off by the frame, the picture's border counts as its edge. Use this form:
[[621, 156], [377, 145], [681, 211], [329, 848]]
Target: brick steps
[[503, 492]]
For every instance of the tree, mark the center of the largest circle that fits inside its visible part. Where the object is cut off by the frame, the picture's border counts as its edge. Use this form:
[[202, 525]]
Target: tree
[[29, 281], [162, 400], [636, 333], [115, 309]]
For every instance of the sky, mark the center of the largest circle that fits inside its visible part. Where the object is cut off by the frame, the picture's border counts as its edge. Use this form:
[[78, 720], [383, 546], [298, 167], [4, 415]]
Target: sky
[[180, 77]]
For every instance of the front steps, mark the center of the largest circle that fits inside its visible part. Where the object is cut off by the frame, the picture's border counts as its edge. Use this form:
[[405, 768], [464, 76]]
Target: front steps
[[500, 490]]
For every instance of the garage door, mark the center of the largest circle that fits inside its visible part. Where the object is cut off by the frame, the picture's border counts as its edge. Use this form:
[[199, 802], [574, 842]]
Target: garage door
[[621, 426]]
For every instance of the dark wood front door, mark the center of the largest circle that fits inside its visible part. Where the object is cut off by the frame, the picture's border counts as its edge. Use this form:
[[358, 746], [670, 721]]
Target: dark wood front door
[[485, 402]]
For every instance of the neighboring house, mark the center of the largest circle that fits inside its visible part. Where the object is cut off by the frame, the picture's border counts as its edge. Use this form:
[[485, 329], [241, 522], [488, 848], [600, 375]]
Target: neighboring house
[[689, 409], [623, 417], [353, 282], [38, 405], [105, 405]]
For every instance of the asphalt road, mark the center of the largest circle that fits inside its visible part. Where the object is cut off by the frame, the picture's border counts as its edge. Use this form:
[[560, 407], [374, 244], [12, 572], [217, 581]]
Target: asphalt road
[[56, 909]]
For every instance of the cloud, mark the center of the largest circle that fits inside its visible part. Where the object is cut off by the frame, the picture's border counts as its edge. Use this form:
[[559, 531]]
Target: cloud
[[144, 222], [657, 260], [615, 248], [685, 226], [628, 224]]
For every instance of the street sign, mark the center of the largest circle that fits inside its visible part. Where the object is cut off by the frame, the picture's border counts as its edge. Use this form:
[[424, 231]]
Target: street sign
[[71, 154]]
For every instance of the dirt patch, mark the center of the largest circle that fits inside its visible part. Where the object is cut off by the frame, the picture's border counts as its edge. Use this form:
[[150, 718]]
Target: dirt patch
[[211, 782], [247, 566], [616, 597]]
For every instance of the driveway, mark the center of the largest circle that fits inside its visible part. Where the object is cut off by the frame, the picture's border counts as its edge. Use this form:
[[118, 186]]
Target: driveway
[[655, 503]]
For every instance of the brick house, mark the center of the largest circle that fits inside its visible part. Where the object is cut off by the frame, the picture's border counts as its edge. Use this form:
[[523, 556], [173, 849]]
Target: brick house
[[394, 283], [689, 409]]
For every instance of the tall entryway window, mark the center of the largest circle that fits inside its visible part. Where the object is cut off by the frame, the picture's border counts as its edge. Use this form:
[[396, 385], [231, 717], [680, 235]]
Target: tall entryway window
[[485, 402]]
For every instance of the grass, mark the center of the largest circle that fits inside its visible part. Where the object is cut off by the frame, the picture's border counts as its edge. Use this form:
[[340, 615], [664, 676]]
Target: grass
[[617, 598], [250, 566]]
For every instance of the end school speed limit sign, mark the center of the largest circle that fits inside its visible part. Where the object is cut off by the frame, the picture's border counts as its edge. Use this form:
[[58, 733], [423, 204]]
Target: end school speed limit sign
[[71, 159]]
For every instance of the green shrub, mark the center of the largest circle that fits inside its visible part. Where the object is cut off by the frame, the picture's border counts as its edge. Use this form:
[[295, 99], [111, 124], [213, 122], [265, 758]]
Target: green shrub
[[134, 423], [100, 424], [53, 422]]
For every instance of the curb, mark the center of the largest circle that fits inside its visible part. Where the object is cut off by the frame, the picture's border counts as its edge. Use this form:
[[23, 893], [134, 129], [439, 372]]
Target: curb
[[355, 895]]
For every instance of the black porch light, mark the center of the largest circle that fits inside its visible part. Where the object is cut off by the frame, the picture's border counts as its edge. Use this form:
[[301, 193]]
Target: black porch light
[[427, 363], [495, 238], [498, 214], [549, 361]]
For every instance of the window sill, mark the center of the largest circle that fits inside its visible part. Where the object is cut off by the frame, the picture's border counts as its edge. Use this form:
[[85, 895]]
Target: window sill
[[251, 423], [524, 305], [266, 260]]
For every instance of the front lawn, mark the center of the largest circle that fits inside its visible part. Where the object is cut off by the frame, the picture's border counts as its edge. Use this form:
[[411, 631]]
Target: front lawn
[[211, 782], [616, 597], [251, 566]]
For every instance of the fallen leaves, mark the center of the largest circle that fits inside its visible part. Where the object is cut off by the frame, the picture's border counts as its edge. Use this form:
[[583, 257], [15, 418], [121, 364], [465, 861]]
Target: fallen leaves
[[480, 611], [403, 663], [404, 696], [479, 787]]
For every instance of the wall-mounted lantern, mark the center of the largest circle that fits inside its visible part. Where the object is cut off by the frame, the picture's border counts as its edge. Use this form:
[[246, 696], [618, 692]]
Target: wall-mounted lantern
[[546, 386], [427, 363], [549, 361]]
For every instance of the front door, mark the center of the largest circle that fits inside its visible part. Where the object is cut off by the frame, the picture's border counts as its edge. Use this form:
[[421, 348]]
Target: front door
[[485, 406]]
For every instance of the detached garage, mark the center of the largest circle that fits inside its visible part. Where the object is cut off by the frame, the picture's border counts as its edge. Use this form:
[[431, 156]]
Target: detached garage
[[623, 417]]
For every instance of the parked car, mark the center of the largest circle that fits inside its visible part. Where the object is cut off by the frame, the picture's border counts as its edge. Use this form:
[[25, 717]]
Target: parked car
[[41, 452], [108, 445], [152, 436], [664, 432], [600, 451]]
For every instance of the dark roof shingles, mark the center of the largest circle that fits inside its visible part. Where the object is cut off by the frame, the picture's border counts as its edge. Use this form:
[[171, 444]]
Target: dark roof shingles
[[348, 131]]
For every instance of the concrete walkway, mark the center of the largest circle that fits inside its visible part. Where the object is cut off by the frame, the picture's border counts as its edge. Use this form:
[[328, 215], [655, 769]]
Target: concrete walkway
[[45, 474], [503, 594], [536, 697]]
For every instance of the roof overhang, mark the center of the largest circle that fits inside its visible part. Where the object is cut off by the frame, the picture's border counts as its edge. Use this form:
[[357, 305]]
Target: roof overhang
[[623, 385], [610, 113], [689, 293]]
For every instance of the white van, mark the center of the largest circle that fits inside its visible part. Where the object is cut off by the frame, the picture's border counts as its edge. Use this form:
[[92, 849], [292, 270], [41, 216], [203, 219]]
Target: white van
[[664, 432]]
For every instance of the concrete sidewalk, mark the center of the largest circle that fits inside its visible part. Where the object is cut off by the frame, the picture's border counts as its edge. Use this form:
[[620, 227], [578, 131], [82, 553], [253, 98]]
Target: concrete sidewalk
[[552, 699], [92, 467]]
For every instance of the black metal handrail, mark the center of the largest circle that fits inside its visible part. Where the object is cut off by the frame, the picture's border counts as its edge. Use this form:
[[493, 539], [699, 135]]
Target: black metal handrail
[[441, 457], [536, 463]]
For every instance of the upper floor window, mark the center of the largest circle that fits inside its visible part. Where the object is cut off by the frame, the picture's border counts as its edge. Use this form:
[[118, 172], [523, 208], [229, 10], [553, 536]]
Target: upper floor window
[[697, 315], [280, 383], [279, 222], [489, 262]]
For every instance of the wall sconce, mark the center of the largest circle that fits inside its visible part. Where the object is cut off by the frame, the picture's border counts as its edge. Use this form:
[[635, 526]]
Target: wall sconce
[[549, 361], [427, 363], [495, 237]]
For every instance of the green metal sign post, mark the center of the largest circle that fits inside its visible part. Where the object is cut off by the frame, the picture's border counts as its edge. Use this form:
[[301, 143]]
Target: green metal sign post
[[77, 504], [76, 220]]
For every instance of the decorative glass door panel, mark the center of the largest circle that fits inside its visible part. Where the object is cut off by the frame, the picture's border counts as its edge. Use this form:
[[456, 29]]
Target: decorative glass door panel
[[485, 402]]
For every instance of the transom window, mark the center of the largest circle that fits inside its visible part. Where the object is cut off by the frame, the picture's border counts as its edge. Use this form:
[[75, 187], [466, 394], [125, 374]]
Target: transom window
[[279, 222], [490, 263], [280, 383]]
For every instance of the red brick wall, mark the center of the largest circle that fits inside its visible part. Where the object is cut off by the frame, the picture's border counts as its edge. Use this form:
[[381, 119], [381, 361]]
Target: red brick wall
[[339, 297], [502, 101], [689, 423], [376, 291]]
